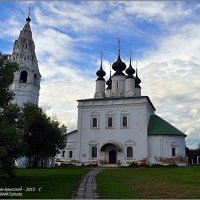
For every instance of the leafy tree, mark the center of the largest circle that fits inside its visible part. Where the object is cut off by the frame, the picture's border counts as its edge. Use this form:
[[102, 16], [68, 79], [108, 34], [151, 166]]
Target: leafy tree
[[43, 136], [10, 140], [7, 69]]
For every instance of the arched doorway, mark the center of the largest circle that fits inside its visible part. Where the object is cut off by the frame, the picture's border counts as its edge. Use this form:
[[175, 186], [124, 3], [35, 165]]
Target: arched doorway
[[112, 156]]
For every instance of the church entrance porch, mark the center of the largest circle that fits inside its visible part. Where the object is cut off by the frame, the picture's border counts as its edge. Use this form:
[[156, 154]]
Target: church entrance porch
[[110, 152]]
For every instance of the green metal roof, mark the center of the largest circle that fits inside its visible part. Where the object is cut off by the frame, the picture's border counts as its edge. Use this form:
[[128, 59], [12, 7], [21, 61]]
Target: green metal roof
[[158, 126]]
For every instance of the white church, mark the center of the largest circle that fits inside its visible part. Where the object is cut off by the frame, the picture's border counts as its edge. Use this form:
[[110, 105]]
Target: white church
[[118, 126]]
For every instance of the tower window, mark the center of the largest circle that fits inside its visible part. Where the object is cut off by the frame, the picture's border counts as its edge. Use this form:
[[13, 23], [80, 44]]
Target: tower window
[[25, 58], [129, 152], [117, 85], [23, 77], [26, 46], [70, 154], [173, 151], [94, 152], [35, 79]]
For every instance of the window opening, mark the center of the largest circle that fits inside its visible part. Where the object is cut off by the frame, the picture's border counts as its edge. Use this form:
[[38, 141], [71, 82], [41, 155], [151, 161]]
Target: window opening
[[173, 151], [35, 79], [94, 152], [124, 121], [110, 124], [129, 152], [70, 154], [94, 122], [63, 154], [23, 77]]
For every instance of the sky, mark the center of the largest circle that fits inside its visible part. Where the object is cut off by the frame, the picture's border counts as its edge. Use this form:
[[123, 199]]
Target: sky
[[69, 36]]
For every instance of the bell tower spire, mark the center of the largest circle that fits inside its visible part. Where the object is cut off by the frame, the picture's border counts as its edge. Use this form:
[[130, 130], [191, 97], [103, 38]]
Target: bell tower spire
[[26, 85]]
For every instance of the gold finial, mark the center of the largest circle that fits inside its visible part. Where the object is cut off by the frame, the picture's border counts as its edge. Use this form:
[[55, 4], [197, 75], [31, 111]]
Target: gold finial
[[118, 46]]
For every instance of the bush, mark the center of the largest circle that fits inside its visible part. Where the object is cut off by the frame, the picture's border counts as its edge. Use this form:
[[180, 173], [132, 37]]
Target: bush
[[157, 165], [67, 165], [133, 165], [92, 165]]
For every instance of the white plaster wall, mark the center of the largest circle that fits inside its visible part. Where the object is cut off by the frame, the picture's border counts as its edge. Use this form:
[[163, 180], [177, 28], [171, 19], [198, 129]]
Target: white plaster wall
[[139, 112], [100, 89], [71, 146], [25, 92], [118, 85], [160, 146], [129, 87]]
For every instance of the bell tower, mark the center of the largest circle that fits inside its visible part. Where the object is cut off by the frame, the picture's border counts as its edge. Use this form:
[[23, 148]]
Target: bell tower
[[26, 85]]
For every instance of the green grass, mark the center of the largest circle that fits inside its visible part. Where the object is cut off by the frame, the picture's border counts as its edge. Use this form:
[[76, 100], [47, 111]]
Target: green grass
[[154, 183], [54, 183]]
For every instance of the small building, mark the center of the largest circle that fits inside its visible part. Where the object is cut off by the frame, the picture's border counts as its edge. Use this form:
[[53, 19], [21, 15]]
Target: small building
[[119, 125]]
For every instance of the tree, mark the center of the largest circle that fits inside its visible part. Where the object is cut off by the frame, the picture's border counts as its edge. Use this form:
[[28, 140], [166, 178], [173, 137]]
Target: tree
[[11, 142], [7, 70], [43, 136], [10, 139]]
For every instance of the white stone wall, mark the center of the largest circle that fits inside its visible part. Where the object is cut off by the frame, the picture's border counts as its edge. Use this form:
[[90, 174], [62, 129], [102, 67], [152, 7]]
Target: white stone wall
[[118, 85], [161, 146], [138, 112], [100, 89]]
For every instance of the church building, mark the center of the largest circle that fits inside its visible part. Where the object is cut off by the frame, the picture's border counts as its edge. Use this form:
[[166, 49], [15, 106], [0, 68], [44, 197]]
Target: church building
[[119, 125]]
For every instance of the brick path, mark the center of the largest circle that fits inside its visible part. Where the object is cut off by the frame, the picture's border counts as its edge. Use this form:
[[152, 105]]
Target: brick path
[[87, 187]]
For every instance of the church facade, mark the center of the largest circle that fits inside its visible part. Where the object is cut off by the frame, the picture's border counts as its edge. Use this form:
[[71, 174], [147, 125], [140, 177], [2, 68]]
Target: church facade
[[119, 125]]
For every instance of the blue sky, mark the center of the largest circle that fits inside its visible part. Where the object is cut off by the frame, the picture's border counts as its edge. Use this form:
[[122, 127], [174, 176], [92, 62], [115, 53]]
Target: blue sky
[[69, 35]]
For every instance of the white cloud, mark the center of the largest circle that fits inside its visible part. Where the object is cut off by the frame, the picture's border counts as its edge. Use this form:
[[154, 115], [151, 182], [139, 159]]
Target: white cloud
[[66, 35]]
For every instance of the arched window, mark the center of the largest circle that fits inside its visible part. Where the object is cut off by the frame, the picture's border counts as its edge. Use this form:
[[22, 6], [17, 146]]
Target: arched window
[[129, 152], [35, 79], [23, 77], [94, 152]]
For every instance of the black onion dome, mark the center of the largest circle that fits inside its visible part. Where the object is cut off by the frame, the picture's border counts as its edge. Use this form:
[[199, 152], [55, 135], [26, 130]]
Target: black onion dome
[[130, 71], [101, 73], [28, 19], [119, 66], [137, 80]]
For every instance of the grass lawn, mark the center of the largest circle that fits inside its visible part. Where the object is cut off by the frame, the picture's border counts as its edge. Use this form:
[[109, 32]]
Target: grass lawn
[[54, 183], [154, 183]]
